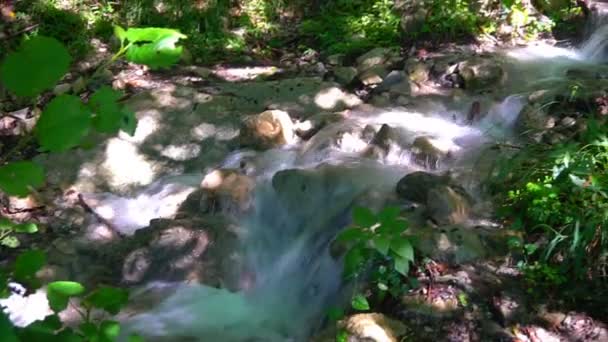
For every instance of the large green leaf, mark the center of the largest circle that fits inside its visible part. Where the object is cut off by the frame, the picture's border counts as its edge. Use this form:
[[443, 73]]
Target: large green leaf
[[109, 331], [402, 265], [7, 332], [154, 47], [382, 244], [364, 217], [108, 112], [26, 228], [27, 264], [16, 178], [403, 248], [63, 123], [107, 298], [36, 66], [59, 293]]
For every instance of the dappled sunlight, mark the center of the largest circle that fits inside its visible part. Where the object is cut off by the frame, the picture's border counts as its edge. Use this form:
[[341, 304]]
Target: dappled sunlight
[[237, 74], [126, 165], [211, 131], [332, 97], [146, 126], [181, 152]]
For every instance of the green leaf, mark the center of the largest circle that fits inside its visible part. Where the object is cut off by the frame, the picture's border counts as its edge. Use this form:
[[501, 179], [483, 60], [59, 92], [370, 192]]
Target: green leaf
[[342, 336], [128, 122], [389, 214], [109, 331], [108, 112], [26, 228], [10, 241], [364, 217], [63, 123], [68, 335], [89, 330], [403, 248], [17, 178], [59, 293], [107, 298], [359, 302], [121, 34], [154, 47], [27, 264], [36, 66], [382, 244], [351, 234], [44, 330], [353, 261], [7, 332], [6, 224], [135, 338], [402, 265]]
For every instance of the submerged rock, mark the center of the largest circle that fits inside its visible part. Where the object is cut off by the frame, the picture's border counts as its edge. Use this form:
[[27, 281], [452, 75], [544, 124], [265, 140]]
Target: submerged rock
[[222, 190], [430, 152], [268, 129], [481, 73]]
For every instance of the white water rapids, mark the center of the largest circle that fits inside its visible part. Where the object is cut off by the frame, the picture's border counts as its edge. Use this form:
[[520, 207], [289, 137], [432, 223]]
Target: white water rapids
[[287, 243], [288, 234]]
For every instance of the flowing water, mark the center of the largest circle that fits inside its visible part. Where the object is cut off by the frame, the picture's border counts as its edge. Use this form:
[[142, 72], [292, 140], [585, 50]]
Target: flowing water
[[288, 233]]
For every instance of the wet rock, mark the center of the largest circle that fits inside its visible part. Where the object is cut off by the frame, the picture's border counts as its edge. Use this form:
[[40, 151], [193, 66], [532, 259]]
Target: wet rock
[[373, 75], [430, 152], [415, 186], [268, 129], [306, 129], [447, 204], [480, 73], [381, 142], [177, 250], [345, 75], [222, 190]]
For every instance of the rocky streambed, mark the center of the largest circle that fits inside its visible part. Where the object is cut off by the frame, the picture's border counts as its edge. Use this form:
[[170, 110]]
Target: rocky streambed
[[221, 210]]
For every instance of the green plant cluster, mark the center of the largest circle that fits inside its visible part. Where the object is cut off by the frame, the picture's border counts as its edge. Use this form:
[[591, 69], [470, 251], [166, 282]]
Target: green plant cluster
[[353, 26], [449, 19], [105, 299], [36, 66], [66, 120], [558, 196], [378, 242]]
